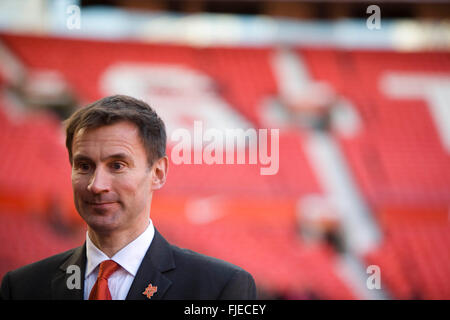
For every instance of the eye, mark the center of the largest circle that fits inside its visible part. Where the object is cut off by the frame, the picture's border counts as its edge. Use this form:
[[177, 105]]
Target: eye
[[83, 166], [117, 166]]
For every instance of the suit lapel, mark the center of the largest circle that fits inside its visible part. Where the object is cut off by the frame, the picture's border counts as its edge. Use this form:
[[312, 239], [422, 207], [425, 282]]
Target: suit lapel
[[157, 260], [60, 288]]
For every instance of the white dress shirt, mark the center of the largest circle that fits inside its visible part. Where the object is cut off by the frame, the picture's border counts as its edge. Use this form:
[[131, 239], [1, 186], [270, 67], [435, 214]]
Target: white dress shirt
[[129, 258]]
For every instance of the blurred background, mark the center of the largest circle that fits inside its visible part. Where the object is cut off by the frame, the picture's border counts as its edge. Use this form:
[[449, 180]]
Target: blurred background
[[360, 205]]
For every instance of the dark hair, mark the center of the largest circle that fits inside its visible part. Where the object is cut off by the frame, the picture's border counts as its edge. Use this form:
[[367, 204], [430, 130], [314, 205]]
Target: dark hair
[[113, 109]]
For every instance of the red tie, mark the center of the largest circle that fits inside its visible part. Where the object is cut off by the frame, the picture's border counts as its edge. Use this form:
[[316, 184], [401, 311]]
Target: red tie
[[100, 290]]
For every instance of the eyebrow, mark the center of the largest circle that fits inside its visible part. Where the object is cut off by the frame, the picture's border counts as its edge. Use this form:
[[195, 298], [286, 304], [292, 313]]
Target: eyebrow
[[80, 157], [119, 156]]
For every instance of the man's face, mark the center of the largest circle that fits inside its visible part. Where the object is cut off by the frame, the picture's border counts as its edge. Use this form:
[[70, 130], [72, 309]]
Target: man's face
[[111, 178]]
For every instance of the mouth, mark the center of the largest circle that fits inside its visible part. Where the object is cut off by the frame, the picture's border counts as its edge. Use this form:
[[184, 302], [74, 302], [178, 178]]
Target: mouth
[[101, 204]]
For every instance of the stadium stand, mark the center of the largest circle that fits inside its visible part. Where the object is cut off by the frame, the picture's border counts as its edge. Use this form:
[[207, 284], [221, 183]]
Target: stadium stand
[[399, 157], [28, 238], [414, 253], [397, 160], [400, 164]]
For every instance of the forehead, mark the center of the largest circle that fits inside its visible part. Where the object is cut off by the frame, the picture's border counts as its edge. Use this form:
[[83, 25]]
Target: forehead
[[121, 136]]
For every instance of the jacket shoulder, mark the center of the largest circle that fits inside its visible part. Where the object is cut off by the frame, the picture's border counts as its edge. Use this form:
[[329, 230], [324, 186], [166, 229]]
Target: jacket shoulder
[[36, 276], [211, 278]]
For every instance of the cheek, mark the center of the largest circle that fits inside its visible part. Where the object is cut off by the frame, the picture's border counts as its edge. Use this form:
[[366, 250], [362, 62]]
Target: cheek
[[79, 183], [77, 191], [75, 182], [136, 189], [131, 190]]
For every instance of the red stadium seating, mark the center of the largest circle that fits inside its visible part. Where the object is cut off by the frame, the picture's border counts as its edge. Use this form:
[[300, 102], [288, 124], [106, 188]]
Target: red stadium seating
[[35, 172], [397, 160], [29, 238], [415, 254], [398, 157], [399, 163]]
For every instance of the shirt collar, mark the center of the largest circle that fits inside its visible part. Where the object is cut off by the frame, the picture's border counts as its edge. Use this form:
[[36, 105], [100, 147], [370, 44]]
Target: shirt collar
[[129, 257]]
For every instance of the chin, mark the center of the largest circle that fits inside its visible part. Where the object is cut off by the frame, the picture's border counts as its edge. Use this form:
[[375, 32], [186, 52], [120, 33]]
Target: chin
[[102, 222]]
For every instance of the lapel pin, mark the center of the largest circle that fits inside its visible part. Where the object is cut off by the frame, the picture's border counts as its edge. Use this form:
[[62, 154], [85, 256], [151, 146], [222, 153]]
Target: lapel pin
[[150, 291]]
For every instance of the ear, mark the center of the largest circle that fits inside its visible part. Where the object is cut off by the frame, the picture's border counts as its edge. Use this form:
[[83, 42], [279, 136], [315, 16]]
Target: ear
[[159, 172]]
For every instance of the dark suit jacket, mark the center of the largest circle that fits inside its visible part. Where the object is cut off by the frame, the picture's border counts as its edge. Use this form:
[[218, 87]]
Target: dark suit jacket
[[178, 274]]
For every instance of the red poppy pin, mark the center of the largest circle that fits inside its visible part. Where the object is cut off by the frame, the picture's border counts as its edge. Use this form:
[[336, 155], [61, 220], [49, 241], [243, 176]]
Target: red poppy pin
[[150, 291]]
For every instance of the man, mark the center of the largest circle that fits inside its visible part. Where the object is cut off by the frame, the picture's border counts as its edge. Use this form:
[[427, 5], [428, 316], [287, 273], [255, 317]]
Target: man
[[117, 152]]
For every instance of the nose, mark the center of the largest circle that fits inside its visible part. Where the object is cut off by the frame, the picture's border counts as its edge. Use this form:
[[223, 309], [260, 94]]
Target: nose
[[100, 182]]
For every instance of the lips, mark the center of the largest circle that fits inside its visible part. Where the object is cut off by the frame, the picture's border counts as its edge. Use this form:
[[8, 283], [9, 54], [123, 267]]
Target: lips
[[101, 204]]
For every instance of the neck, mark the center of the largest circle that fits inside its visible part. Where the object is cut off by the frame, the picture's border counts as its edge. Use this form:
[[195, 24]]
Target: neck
[[112, 242]]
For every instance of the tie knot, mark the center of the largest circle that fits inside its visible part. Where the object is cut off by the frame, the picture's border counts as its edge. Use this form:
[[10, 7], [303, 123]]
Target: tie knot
[[107, 268]]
